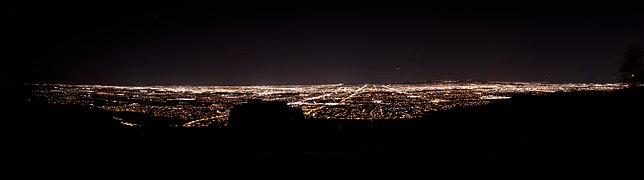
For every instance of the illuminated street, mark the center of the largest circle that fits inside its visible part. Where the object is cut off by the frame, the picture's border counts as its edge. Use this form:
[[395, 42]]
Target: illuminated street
[[199, 106]]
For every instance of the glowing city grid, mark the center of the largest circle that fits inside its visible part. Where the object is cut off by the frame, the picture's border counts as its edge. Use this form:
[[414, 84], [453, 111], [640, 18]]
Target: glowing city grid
[[208, 106]]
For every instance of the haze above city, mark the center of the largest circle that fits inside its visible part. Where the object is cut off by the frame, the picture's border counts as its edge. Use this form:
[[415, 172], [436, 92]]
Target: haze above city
[[315, 42]]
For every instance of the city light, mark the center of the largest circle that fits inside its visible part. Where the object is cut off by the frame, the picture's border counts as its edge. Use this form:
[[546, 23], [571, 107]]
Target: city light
[[208, 106]]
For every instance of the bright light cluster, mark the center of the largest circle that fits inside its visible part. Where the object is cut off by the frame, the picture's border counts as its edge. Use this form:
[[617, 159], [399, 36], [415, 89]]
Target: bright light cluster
[[199, 106]]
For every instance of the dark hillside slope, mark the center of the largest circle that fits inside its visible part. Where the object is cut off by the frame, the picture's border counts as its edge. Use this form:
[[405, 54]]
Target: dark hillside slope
[[565, 131]]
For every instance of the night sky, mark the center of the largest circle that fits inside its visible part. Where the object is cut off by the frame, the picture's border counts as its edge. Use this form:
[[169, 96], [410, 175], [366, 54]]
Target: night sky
[[313, 42]]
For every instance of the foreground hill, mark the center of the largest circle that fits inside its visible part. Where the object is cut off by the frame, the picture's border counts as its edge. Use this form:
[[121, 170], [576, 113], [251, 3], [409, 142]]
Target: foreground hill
[[584, 130]]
